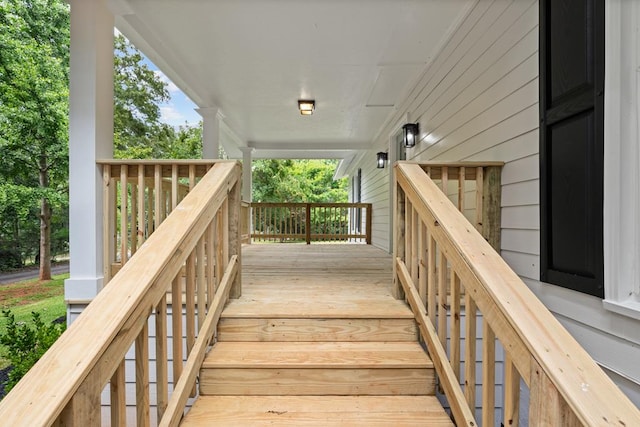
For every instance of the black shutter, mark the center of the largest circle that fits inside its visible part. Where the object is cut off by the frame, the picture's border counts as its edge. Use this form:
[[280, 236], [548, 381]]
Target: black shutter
[[571, 143]]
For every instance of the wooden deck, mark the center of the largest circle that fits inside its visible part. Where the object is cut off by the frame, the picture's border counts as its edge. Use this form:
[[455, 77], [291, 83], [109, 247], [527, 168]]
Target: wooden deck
[[316, 339]]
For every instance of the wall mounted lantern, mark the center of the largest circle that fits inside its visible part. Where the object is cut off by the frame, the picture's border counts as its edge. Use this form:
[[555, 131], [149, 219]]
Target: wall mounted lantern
[[306, 106], [410, 133], [382, 159]]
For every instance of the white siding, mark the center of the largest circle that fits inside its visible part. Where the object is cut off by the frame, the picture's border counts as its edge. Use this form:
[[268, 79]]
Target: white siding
[[478, 100]]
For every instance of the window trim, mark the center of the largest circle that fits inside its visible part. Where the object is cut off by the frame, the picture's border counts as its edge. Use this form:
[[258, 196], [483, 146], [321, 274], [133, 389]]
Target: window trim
[[622, 159]]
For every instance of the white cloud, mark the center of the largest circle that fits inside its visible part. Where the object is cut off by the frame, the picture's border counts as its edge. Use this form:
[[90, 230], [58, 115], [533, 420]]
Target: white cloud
[[171, 115]]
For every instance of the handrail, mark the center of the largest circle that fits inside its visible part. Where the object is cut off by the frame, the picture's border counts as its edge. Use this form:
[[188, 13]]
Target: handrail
[[65, 386], [311, 222], [566, 385]]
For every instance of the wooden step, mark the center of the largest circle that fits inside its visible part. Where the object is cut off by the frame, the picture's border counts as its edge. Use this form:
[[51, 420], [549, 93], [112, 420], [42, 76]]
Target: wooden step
[[317, 368], [317, 411], [291, 329]]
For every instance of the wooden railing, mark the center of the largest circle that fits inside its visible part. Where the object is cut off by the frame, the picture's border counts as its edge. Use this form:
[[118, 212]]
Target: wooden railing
[[439, 257], [137, 196], [307, 222], [199, 241]]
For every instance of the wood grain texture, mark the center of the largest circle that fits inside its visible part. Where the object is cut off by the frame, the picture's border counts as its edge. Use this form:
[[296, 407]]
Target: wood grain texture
[[317, 410], [527, 330]]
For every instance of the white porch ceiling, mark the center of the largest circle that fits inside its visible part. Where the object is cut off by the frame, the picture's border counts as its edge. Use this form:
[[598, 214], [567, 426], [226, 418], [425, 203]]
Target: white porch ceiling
[[253, 59]]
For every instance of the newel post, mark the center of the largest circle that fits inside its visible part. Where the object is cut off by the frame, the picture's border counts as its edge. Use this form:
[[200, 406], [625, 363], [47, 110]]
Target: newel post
[[235, 237], [491, 205], [398, 234], [547, 407]]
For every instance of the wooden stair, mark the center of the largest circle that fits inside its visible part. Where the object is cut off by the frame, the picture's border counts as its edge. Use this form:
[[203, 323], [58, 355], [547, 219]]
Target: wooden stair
[[321, 353]]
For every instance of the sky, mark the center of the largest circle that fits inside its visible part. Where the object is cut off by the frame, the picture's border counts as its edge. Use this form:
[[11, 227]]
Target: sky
[[179, 109]]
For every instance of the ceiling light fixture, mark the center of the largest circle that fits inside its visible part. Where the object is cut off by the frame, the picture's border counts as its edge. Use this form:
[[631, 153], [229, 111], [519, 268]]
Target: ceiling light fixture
[[306, 106]]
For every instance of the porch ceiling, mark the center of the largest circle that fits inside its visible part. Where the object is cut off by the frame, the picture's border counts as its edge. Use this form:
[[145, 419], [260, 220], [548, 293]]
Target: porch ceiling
[[253, 59]]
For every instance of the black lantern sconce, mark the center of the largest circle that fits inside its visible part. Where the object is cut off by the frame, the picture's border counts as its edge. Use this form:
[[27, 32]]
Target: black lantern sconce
[[410, 133], [382, 159]]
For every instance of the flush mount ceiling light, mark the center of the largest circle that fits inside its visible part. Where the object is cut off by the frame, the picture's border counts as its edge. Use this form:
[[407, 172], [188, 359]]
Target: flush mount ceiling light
[[306, 106], [410, 133]]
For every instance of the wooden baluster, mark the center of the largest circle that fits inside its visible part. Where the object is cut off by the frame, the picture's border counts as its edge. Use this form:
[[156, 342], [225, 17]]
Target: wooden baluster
[[176, 330], [124, 223], [108, 245], [511, 393], [442, 300], [432, 281], [134, 217], [150, 207], [192, 177], [117, 391], [201, 284], [422, 262], [399, 235], [175, 181], [140, 231], [488, 374], [224, 218], [233, 236], [157, 210], [369, 223], [461, 184], [219, 246], [454, 355], [408, 240], [162, 376], [479, 197], [190, 300], [415, 251], [142, 377], [445, 180], [470, 350], [211, 265], [308, 223]]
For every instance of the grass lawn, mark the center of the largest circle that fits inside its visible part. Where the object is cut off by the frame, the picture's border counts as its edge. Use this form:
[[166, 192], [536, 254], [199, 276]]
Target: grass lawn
[[22, 298]]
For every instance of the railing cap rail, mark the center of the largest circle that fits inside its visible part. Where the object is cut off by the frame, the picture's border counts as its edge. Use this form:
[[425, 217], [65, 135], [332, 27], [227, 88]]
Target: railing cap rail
[[46, 389], [591, 394], [457, 164], [163, 162]]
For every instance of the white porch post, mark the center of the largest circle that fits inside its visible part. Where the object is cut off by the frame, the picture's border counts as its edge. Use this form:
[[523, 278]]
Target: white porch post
[[210, 132], [90, 138], [247, 185]]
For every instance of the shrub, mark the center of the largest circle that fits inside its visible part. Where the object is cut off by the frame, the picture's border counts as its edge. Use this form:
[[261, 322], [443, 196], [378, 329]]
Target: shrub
[[26, 344], [9, 260]]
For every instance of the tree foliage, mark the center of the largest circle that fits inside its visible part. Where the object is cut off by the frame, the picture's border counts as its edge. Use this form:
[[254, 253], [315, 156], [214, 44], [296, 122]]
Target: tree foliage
[[34, 82], [297, 181], [34, 70]]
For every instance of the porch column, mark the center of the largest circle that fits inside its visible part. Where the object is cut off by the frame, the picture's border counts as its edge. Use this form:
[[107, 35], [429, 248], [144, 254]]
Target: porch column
[[210, 132], [246, 173], [90, 138]]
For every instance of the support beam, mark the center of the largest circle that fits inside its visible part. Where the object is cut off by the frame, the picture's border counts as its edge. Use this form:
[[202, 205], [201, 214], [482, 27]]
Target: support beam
[[247, 184], [210, 132], [90, 138]]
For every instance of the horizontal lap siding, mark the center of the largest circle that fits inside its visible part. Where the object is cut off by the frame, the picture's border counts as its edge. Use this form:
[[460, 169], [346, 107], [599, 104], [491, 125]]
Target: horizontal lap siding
[[478, 100]]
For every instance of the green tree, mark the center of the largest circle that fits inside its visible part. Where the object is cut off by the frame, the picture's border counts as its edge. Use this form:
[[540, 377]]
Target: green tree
[[34, 68], [297, 181], [137, 93]]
